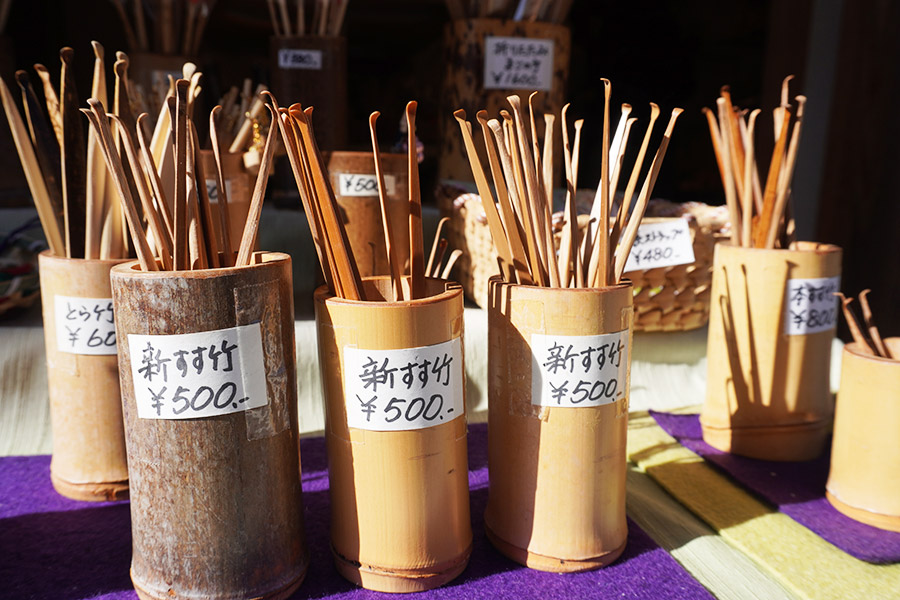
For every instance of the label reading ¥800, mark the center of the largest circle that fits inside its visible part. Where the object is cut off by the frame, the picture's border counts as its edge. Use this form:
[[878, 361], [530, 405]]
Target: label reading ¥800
[[811, 305], [203, 374], [404, 389], [84, 325], [579, 370]]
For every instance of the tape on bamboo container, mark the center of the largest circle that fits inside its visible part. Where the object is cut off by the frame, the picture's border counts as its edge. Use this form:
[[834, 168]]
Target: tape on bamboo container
[[394, 384], [89, 459], [209, 395], [486, 60], [558, 384], [356, 189], [771, 324], [864, 481], [238, 187], [313, 70]]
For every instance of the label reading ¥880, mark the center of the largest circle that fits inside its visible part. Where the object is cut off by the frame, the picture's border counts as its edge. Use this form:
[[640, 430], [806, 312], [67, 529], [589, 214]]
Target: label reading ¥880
[[811, 305], [579, 370], [203, 374], [408, 388], [84, 325]]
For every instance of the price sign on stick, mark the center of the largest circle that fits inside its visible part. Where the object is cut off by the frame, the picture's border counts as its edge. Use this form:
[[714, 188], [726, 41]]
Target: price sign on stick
[[663, 244], [359, 184], [512, 63], [409, 388], [85, 325], [203, 374], [810, 305], [579, 370]]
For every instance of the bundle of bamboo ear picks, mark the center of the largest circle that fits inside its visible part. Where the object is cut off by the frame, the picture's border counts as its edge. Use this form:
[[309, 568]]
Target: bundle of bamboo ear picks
[[868, 341], [170, 18], [326, 20], [522, 177], [329, 236], [760, 217]]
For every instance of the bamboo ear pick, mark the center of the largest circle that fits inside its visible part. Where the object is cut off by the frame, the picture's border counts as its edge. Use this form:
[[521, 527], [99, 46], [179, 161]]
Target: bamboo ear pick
[[390, 248], [416, 250]]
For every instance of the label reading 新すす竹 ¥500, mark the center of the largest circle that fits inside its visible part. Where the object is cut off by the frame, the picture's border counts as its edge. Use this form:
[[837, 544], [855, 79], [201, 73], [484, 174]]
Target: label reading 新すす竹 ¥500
[[202, 374], [408, 388], [579, 370]]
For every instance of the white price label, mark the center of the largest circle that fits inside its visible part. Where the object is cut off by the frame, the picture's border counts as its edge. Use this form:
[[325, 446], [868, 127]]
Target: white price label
[[212, 190], [300, 59], [360, 184], [811, 305], [405, 389], [572, 371], [203, 374], [664, 244], [85, 325], [513, 63]]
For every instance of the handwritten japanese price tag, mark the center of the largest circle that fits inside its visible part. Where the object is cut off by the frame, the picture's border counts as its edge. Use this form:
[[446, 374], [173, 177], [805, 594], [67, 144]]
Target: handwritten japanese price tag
[[359, 184], [811, 305], [518, 63], [300, 59], [661, 245], [409, 388], [203, 374], [85, 325], [571, 371], [212, 190]]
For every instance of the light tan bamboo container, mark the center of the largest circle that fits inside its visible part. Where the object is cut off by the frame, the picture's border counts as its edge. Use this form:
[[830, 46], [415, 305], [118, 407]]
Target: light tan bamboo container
[[216, 510], [239, 186], [464, 84], [399, 499], [864, 481], [89, 459], [557, 474], [767, 392], [356, 191]]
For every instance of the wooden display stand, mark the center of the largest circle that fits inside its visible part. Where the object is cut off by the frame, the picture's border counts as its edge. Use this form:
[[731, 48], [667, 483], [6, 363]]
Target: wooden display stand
[[864, 481], [239, 186], [464, 85], [399, 499], [89, 458], [361, 209], [767, 392], [557, 474], [312, 70], [216, 507]]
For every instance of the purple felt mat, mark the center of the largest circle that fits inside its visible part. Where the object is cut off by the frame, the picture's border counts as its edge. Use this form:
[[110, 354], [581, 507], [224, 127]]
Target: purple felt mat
[[52, 548], [796, 488]]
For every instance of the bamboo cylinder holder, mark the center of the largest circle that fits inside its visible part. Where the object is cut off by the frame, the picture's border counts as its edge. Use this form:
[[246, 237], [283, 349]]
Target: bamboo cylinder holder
[[557, 462], [397, 457], [89, 458], [356, 190], [864, 481], [238, 188], [151, 71], [208, 372], [772, 322], [313, 70], [487, 60]]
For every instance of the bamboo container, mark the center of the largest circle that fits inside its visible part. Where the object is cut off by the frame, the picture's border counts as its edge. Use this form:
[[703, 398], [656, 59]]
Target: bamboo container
[[399, 499], [89, 459], [767, 390], [464, 84], [557, 474], [151, 71], [313, 70], [356, 190], [239, 188], [216, 507], [864, 481]]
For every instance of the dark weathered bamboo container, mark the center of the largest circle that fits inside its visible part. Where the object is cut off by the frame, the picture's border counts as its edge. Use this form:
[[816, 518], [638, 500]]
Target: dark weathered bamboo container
[[557, 473], [399, 499], [89, 459], [361, 208], [216, 509], [320, 82], [767, 392], [463, 85]]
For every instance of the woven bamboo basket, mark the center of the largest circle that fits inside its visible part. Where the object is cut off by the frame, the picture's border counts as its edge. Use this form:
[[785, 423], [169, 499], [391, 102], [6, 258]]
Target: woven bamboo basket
[[665, 299]]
